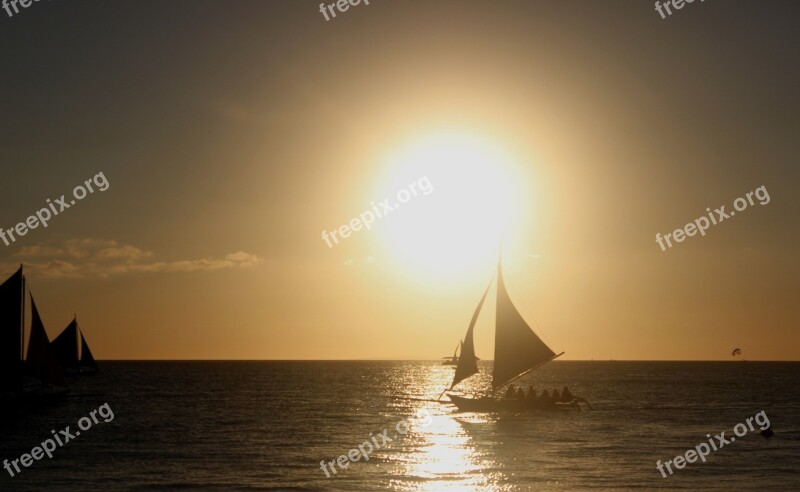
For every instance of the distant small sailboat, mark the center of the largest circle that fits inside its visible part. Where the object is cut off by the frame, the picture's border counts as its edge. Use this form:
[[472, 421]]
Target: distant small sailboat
[[72, 351], [452, 361], [36, 378], [518, 351]]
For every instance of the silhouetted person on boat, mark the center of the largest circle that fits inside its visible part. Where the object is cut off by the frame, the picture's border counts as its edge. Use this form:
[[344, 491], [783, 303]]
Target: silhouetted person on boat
[[510, 392], [530, 398], [566, 395], [520, 393]]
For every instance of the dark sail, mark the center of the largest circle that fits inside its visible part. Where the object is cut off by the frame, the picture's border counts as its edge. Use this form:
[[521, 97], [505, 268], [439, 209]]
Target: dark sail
[[65, 346], [467, 362], [11, 309], [87, 360], [41, 362], [517, 349]]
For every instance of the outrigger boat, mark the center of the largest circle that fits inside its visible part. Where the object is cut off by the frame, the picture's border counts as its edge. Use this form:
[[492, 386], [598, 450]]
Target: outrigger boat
[[517, 351]]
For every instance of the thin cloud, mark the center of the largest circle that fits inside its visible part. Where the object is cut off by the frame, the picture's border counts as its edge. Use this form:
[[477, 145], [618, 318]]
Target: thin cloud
[[369, 260], [91, 257]]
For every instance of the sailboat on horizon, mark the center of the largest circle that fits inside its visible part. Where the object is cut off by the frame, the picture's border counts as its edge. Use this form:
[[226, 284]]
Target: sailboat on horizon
[[517, 352], [452, 361], [37, 377], [72, 351]]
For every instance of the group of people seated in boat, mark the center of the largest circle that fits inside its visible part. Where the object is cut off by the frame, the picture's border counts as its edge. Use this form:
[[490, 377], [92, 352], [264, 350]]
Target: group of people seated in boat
[[545, 397]]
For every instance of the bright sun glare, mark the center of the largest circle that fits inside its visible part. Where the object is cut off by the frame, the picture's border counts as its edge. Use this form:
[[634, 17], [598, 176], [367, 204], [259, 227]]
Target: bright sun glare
[[454, 232]]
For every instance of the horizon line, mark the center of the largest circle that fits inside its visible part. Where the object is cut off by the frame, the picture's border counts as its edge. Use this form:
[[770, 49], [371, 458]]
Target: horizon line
[[434, 360]]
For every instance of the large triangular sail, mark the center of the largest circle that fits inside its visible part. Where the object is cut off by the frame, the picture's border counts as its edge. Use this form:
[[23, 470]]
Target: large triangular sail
[[517, 349], [72, 351], [41, 363], [87, 360], [65, 346], [11, 333], [467, 362]]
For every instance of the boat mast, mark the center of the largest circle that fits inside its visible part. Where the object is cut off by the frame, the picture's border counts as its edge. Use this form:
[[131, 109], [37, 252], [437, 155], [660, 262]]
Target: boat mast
[[78, 336], [22, 323]]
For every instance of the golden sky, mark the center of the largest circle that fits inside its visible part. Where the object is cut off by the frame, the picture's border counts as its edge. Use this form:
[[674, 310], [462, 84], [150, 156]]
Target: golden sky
[[233, 134]]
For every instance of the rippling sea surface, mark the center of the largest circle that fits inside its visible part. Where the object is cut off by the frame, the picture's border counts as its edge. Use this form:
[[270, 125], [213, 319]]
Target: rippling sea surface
[[267, 426]]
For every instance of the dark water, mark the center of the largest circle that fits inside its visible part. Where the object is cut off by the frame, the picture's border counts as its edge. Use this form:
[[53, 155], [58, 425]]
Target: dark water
[[267, 426]]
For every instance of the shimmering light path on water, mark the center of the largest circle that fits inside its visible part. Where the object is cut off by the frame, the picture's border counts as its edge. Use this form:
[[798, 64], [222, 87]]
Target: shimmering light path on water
[[267, 425]]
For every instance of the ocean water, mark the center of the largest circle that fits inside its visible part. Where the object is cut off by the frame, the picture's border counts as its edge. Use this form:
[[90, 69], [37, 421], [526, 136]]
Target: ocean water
[[267, 426]]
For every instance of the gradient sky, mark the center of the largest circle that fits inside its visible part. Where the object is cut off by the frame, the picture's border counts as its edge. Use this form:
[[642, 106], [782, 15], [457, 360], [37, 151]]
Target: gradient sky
[[232, 133]]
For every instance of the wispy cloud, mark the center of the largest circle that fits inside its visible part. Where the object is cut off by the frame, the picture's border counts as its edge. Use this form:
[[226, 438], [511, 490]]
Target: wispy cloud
[[91, 257], [369, 260]]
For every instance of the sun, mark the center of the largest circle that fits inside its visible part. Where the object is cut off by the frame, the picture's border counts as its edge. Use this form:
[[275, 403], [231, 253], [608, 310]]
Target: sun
[[454, 231]]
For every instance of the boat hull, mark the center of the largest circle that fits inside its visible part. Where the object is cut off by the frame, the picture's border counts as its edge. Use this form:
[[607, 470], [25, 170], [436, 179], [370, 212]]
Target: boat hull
[[487, 404]]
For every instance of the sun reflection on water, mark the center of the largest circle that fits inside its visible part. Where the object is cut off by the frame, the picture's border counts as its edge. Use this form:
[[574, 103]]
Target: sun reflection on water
[[444, 455]]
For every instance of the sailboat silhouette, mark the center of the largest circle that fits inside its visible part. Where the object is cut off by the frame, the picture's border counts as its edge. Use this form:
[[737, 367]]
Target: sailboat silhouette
[[36, 378], [66, 347], [517, 351]]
